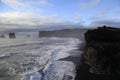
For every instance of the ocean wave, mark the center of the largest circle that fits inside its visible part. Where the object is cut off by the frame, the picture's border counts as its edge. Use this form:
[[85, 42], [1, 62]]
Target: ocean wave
[[41, 61]]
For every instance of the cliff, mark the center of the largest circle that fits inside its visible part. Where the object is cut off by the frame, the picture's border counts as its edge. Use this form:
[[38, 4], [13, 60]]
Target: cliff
[[69, 33], [102, 52], [101, 58]]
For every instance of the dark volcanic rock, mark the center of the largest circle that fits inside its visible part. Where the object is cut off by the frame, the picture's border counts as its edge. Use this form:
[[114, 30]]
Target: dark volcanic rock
[[2, 36], [106, 34], [84, 74], [102, 51], [12, 35]]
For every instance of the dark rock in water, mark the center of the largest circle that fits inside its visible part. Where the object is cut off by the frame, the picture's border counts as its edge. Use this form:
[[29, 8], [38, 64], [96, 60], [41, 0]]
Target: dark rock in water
[[102, 52], [2, 36], [12, 35]]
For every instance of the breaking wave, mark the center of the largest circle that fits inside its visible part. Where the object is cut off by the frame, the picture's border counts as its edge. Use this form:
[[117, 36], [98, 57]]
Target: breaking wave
[[39, 60]]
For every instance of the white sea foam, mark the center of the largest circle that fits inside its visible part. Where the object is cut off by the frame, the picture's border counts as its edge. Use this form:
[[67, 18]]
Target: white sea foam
[[38, 59], [60, 70]]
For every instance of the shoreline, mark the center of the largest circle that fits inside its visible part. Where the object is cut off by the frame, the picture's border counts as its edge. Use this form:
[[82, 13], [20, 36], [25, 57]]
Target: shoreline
[[82, 69]]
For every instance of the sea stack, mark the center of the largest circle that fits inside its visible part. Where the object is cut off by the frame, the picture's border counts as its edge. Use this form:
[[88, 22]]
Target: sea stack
[[102, 52], [12, 35]]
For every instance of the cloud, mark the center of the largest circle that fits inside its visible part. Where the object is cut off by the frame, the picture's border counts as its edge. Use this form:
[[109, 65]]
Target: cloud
[[102, 12], [26, 5], [16, 15], [77, 17], [42, 2], [98, 18], [16, 4], [25, 15], [112, 23], [90, 4], [18, 20], [100, 15]]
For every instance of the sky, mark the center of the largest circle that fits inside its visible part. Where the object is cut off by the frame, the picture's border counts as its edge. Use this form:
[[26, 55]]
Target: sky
[[59, 13]]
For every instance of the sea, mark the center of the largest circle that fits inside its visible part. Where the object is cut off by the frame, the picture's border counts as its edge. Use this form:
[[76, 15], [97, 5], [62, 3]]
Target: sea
[[37, 58]]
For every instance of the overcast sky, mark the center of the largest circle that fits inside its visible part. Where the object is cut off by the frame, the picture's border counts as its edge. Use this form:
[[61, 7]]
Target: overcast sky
[[59, 13]]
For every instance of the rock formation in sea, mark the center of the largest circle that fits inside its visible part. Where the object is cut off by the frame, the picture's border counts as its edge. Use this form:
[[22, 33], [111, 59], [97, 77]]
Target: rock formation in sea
[[102, 51], [12, 35]]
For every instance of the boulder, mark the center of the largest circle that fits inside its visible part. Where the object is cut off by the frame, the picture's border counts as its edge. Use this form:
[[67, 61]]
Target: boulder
[[102, 52]]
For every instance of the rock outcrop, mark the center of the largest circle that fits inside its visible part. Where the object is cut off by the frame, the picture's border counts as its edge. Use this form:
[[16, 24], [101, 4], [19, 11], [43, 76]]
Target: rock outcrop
[[102, 52], [2, 36], [12, 35]]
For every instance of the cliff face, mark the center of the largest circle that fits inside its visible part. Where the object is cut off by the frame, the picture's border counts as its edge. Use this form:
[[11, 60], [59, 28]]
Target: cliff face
[[102, 52]]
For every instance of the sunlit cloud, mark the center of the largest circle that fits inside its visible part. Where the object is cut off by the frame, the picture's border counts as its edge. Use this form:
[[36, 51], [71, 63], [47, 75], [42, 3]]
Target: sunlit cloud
[[17, 20]]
